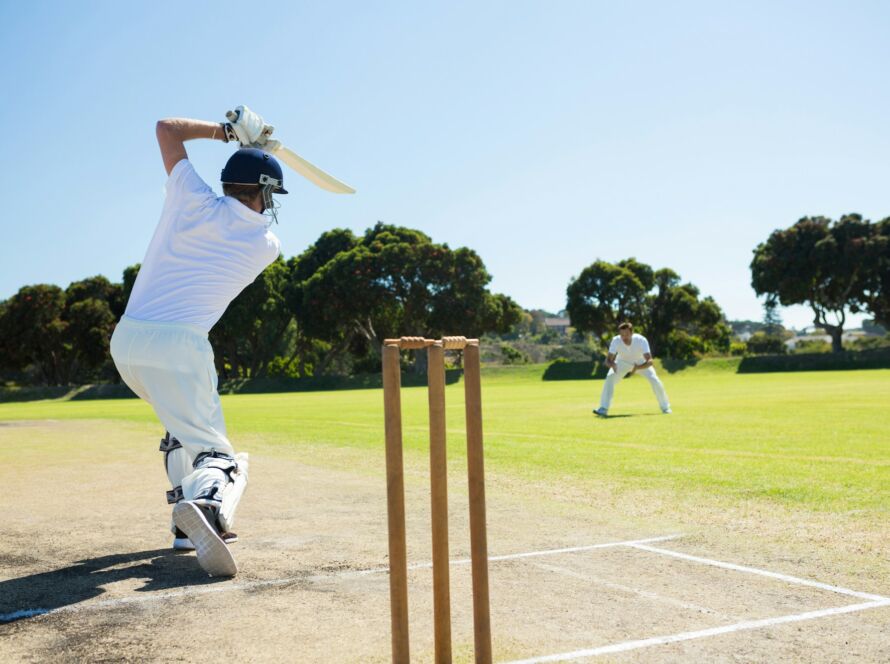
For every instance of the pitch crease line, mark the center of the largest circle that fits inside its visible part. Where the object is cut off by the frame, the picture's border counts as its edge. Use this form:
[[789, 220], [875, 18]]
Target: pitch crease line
[[700, 634], [308, 578], [761, 572]]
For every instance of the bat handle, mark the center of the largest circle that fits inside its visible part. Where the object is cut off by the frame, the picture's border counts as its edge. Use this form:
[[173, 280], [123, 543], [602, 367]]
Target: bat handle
[[231, 116]]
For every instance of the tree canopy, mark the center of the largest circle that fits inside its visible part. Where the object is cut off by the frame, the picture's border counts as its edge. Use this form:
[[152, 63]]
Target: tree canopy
[[254, 329], [833, 267], [61, 336], [354, 292]]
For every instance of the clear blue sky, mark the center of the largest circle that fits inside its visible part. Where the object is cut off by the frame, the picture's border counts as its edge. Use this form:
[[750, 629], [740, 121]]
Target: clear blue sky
[[544, 135]]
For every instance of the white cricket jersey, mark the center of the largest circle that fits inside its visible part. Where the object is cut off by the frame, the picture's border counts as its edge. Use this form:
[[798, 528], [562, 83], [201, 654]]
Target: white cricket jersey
[[632, 353], [205, 250]]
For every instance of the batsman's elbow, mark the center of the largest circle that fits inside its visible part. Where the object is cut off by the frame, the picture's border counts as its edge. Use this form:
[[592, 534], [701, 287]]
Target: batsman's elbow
[[163, 127]]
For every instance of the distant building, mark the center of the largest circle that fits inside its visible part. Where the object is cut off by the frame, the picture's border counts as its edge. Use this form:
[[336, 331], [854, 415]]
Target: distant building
[[560, 325], [817, 334]]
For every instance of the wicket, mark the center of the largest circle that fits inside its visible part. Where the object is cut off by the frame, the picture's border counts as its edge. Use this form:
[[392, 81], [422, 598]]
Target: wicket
[[395, 485]]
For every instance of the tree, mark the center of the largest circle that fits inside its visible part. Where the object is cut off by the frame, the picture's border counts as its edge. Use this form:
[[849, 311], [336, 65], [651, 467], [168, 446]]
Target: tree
[[129, 279], [90, 323], [605, 294], [676, 320], [253, 330], [762, 343], [772, 320], [92, 309], [34, 331], [354, 292], [315, 346], [680, 323], [878, 295], [832, 267], [98, 288]]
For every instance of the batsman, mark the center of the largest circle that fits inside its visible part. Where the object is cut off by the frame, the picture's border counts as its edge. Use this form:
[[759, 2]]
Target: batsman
[[205, 250]]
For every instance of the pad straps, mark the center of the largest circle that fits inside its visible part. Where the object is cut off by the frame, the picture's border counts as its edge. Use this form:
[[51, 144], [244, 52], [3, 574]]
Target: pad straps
[[169, 443], [174, 495]]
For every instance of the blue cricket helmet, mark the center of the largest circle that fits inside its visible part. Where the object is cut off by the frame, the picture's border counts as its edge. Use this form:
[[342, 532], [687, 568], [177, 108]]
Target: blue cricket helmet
[[253, 166]]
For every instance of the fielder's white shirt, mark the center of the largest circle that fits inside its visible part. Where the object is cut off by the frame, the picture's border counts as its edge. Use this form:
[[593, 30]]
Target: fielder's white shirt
[[632, 353], [205, 250]]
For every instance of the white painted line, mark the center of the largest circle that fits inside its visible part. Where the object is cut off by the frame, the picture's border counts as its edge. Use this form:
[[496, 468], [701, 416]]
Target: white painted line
[[700, 634], [308, 578], [761, 572], [554, 552], [630, 590]]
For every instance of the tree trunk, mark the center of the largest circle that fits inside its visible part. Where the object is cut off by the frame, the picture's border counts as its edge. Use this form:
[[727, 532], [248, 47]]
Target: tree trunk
[[837, 334], [835, 331]]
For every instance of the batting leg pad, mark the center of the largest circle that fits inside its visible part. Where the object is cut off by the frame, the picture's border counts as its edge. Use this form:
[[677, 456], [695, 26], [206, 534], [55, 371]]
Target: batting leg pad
[[177, 464], [217, 482]]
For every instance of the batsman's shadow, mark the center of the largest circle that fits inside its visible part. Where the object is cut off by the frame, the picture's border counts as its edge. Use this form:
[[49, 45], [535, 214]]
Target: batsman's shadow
[[26, 596]]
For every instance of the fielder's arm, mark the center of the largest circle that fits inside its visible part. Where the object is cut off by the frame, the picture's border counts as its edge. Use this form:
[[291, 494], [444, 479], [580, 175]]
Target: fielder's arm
[[173, 132], [644, 365], [610, 362]]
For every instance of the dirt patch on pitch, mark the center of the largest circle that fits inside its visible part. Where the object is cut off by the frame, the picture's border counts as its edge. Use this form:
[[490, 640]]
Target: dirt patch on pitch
[[85, 547]]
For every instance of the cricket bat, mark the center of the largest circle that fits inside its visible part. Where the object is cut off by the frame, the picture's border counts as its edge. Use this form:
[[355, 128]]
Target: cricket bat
[[312, 172]]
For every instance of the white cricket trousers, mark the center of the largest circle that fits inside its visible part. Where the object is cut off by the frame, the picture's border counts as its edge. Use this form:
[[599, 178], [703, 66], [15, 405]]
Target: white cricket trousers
[[613, 378], [170, 365]]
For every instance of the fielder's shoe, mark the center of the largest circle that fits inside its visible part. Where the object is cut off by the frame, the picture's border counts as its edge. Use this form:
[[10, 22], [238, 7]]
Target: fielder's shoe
[[181, 541], [667, 411], [601, 412], [214, 556]]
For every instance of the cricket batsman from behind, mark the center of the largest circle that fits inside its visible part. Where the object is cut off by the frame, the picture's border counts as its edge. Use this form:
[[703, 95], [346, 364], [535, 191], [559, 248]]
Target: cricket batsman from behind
[[205, 250], [629, 354]]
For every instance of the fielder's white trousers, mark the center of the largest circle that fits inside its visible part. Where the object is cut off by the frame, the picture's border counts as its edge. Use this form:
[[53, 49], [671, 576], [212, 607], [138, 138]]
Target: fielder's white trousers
[[170, 365], [624, 368]]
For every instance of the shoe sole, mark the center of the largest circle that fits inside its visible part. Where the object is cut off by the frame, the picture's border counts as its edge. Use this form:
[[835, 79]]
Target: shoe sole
[[214, 556], [184, 544]]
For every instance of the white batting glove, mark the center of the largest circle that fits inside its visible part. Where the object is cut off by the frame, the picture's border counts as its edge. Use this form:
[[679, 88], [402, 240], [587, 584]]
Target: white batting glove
[[270, 145], [248, 127]]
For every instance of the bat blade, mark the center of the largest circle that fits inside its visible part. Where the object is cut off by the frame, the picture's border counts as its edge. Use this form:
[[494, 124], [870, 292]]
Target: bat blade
[[312, 173]]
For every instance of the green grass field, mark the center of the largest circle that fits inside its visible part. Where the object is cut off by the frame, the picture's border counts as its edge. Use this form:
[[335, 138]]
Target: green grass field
[[815, 441]]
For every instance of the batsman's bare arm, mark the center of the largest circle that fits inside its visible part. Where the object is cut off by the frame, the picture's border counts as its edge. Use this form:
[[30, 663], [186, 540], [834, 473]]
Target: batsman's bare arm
[[173, 132]]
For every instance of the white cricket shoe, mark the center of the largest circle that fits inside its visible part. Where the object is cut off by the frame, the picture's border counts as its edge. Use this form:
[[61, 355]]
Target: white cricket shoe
[[601, 412], [214, 556], [667, 411]]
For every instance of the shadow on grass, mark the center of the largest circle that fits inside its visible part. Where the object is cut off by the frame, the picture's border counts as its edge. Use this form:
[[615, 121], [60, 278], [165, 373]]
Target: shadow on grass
[[35, 594], [672, 365], [615, 417], [564, 370]]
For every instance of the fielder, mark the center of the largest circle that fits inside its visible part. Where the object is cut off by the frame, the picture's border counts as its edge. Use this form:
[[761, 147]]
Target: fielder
[[205, 250], [629, 354]]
